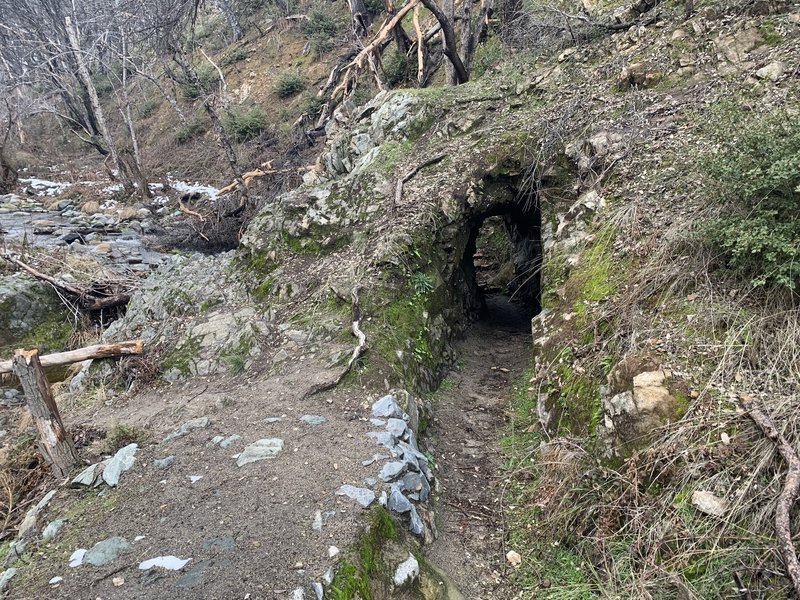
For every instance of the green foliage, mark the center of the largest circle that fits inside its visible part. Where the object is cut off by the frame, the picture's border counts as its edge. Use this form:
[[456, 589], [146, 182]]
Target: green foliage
[[398, 68], [148, 106], [770, 34], [289, 83], [487, 55], [352, 579], [120, 435], [422, 283], [755, 173], [375, 7], [232, 57], [244, 124], [312, 104], [194, 127], [207, 77], [320, 23], [236, 358]]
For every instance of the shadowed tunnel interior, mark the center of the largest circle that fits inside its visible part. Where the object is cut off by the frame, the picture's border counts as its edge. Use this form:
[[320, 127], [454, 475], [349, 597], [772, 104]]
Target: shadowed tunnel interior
[[502, 264]]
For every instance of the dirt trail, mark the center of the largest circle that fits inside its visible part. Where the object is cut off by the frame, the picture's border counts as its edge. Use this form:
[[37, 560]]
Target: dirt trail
[[470, 414]]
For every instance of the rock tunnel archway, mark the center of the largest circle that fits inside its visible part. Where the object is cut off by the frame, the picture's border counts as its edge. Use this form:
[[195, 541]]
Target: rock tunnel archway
[[502, 256]]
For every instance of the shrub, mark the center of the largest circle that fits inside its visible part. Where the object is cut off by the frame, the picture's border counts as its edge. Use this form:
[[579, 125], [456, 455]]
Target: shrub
[[487, 55], [246, 123], [234, 56], [193, 128], [208, 78], [756, 171], [320, 23], [312, 104], [397, 68], [289, 83], [148, 106]]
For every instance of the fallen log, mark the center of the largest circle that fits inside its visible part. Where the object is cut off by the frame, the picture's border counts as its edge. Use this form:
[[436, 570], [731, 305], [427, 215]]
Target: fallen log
[[126, 348]]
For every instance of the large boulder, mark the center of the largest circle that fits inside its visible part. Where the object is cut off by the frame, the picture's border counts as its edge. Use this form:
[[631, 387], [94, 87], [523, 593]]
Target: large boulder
[[31, 314]]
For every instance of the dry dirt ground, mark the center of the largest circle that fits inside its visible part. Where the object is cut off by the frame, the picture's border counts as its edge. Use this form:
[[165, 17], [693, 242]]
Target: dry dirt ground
[[470, 417], [248, 530]]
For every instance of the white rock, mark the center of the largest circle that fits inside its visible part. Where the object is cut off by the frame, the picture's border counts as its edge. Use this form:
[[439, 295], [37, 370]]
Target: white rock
[[406, 571], [333, 552], [773, 71], [709, 504]]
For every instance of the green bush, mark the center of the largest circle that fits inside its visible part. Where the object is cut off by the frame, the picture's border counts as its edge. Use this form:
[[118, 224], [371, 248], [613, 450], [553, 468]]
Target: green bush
[[320, 23], [312, 104], [487, 55], [756, 173], [375, 7], [232, 57], [246, 123], [148, 106], [289, 83], [193, 128], [208, 77], [398, 68]]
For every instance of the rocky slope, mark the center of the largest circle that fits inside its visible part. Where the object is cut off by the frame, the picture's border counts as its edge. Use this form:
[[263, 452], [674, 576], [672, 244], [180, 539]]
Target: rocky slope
[[627, 468]]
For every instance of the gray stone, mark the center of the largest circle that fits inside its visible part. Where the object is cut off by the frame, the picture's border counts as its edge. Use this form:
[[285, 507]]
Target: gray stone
[[398, 502], [387, 407], [319, 591], [363, 496], [122, 461], [415, 524], [5, 578], [406, 572], [391, 470], [52, 530], [225, 543], [383, 438], [313, 419], [298, 594], [229, 440], [271, 420], [260, 450], [194, 576], [417, 485], [397, 427], [198, 423], [375, 457], [217, 439], [773, 71], [316, 524], [106, 551], [164, 463], [32, 515], [377, 422], [370, 482]]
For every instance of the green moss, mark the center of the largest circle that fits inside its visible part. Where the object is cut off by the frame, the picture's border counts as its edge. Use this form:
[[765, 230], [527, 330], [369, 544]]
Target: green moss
[[50, 335], [770, 34], [121, 435], [182, 358], [356, 577], [391, 152]]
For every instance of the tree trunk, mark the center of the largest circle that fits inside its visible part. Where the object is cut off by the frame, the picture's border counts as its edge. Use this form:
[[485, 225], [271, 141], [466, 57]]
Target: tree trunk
[[135, 171], [360, 15], [128, 348], [450, 46], [94, 102], [226, 9], [54, 443], [450, 76]]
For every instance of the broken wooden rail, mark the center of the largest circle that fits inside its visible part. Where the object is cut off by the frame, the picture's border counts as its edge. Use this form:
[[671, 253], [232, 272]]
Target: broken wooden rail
[[81, 354], [55, 445]]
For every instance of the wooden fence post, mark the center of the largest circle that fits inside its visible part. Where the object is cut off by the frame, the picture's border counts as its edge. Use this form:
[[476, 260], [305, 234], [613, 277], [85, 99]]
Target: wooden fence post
[[55, 445]]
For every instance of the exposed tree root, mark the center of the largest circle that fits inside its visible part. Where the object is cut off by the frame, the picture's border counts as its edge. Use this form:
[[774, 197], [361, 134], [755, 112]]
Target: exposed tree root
[[358, 350]]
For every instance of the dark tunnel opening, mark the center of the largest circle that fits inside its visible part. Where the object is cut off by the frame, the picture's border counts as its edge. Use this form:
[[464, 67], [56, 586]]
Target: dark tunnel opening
[[502, 265]]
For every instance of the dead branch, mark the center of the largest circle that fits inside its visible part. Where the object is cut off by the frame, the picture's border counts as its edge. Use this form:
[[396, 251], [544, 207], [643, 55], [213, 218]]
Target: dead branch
[[184, 209], [790, 490], [126, 348], [398, 190], [87, 300]]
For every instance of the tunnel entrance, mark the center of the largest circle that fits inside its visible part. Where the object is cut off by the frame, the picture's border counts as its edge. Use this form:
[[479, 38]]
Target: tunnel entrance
[[502, 266]]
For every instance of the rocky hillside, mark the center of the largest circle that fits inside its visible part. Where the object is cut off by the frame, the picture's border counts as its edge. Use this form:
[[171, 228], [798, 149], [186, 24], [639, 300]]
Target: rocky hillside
[[507, 339]]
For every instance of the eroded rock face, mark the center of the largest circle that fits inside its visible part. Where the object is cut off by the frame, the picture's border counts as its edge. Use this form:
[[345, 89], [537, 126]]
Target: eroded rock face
[[195, 308], [630, 418], [25, 304]]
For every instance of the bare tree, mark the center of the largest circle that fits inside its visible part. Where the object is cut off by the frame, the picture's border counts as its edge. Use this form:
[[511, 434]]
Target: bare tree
[[226, 8]]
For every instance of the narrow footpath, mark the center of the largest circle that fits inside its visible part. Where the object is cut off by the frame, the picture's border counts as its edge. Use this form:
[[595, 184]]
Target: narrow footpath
[[470, 416]]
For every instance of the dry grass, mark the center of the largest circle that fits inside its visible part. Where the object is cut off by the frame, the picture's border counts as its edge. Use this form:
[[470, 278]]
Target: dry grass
[[22, 471]]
